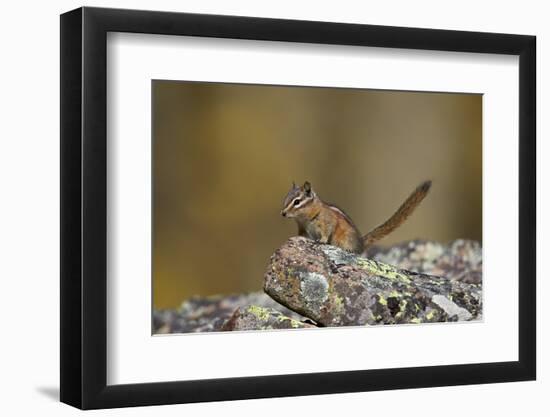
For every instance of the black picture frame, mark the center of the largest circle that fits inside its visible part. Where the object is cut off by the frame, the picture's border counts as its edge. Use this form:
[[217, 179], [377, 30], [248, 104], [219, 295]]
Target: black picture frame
[[84, 207]]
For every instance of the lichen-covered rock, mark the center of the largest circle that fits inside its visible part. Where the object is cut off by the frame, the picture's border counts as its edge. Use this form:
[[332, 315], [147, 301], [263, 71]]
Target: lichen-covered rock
[[435, 299], [208, 314], [261, 318], [459, 260], [336, 288]]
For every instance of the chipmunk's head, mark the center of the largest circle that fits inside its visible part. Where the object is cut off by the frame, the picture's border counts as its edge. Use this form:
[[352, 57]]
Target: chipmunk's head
[[297, 200]]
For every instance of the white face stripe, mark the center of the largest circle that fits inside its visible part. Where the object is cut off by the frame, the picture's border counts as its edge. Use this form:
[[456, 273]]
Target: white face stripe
[[303, 202], [290, 204]]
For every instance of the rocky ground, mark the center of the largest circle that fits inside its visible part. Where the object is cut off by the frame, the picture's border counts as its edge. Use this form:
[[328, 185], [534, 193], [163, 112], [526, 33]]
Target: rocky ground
[[307, 285], [209, 314]]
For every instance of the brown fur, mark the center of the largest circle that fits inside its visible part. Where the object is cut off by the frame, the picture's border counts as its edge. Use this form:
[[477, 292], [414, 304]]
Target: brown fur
[[402, 214], [326, 223]]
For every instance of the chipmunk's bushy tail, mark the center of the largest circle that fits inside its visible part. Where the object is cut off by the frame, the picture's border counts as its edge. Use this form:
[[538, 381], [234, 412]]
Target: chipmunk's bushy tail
[[399, 216]]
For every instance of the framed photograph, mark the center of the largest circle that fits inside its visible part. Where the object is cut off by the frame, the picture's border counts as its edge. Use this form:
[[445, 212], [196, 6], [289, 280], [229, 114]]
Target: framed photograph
[[258, 207]]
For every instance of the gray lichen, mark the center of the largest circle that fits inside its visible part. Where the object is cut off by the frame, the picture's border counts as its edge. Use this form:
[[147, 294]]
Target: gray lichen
[[314, 289]]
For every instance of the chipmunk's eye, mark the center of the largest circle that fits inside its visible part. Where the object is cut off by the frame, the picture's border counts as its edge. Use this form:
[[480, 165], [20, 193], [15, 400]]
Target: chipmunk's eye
[[296, 202]]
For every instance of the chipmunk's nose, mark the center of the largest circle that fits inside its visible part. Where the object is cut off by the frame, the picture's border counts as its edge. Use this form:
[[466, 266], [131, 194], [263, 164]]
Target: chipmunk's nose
[[283, 213]]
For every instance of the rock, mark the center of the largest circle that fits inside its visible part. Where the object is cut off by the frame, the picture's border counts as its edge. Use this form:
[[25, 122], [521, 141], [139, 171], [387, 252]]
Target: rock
[[261, 318], [338, 288], [208, 314], [459, 260]]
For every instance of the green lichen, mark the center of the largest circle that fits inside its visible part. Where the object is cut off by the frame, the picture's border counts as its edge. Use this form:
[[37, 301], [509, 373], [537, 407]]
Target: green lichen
[[383, 270], [430, 314], [260, 312], [402, 309], [295, 323], [339, 306], [395, 294], [416, 320]]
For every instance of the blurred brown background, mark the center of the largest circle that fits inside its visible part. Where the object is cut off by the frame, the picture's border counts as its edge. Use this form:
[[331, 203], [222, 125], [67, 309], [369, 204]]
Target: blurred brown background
[[225, 155]]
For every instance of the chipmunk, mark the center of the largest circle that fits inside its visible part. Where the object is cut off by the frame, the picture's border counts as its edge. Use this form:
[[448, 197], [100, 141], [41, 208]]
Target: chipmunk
[[326, 223]]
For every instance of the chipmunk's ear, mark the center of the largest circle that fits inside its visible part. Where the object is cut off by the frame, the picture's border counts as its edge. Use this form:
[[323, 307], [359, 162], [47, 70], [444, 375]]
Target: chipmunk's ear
[[307, 187]]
